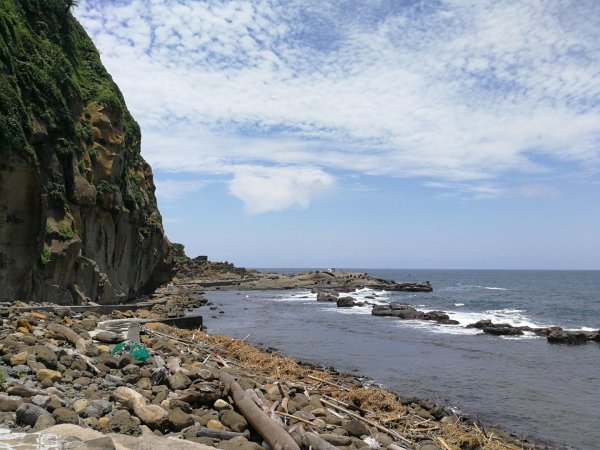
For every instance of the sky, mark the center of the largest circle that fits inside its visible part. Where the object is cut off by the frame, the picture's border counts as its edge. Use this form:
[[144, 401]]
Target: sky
[[372, 134]]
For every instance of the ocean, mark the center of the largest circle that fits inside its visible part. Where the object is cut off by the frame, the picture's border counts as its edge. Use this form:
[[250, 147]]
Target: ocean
[[521, 384]]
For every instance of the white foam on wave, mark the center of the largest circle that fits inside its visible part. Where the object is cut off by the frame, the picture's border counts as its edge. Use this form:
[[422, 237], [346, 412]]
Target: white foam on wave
[[514, 317], [494, 288], [458, 305]]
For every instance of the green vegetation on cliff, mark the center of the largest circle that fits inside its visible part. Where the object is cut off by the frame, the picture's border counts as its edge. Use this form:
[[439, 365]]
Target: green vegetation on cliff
[[72, 149]]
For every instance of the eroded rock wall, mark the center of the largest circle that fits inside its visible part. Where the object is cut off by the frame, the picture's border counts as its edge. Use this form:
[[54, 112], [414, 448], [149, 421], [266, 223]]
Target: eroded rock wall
[[78, 214]]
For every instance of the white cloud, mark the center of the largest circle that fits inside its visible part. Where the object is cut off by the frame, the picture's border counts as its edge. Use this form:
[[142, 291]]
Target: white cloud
[[173, 189], [265, 189], [458, 93]]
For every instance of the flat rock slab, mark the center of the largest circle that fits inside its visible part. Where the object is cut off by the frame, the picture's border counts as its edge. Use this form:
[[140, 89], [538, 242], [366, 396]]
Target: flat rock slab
[[68, 436]]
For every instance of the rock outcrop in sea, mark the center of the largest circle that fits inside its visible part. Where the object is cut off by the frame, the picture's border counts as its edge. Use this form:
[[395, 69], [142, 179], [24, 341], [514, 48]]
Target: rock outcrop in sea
[[78, 214]]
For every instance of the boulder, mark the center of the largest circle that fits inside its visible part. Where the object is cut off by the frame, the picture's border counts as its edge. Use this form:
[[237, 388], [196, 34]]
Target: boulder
[[178, 420], [9, 402], [346, 302], [65, 415], [568, 337], [234, 421], [179, 381], [29, 413], [326, 297]]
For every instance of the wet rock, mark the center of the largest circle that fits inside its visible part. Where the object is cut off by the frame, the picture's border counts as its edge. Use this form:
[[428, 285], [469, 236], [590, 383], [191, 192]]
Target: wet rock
[[399, 310], [28, 413], [568, 337], [346, 302], [178, 420], [326, 297]]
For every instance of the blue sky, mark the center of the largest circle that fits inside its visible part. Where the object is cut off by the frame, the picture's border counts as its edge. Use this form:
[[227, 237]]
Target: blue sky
[[386, 133]]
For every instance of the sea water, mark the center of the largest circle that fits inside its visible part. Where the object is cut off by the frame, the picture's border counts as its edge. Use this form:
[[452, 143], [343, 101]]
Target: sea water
[[522, 384]]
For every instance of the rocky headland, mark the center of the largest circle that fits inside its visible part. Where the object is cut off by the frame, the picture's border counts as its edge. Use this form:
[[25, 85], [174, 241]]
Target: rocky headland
[[225, 276]]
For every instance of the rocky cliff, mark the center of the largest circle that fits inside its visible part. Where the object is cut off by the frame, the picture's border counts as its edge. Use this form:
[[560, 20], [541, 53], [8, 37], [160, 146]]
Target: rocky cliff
[[78, 214]]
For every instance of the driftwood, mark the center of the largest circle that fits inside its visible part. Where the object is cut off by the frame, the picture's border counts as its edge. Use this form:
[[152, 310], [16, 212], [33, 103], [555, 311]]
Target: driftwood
[[320, 380], [76, 340], [152, 415], [268, 429], [173, 364], [69, 335], [367, 421], [312, 440]]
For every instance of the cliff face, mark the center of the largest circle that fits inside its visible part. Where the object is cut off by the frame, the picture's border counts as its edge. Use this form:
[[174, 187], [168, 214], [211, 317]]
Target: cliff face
[[78, 215]]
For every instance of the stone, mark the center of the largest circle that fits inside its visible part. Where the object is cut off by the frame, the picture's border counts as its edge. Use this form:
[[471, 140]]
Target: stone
[[65, 415], [79, 405], [326, 297], [567, 337], [9, 402], [44, 421], [356, 428], [234, 421], [40, 400], [104, 348], [28, 413], [83, 381], [222, 405], [50, 374], [19, 358], [336, 440], [88, 324], [122, 422], [178, 420], [179, 381], [239, 443], [346, 302], [108, 337], [46, 356], [24, 326], [22, 391], [97, 409], [214, 425], [54, 403]]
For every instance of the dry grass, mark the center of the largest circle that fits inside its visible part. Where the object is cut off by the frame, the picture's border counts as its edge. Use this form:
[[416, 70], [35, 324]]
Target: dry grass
[[377, 404]]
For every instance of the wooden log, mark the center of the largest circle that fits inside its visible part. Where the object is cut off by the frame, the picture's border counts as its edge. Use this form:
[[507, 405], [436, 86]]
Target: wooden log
[[152, 415], [312, 440], [268, 429], [70, 336]]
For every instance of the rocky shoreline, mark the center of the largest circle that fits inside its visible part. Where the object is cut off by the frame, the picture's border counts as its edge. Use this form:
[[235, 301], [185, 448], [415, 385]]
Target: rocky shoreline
[[225, 276], [64, 381]]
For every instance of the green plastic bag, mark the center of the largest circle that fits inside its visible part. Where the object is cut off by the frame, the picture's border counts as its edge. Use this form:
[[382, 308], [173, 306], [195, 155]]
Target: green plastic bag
[[135, 349]]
